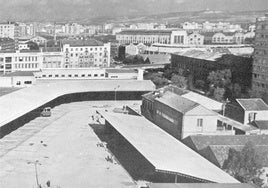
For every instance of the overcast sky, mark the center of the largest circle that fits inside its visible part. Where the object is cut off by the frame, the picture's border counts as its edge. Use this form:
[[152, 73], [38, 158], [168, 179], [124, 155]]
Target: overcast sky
[[16, 9]]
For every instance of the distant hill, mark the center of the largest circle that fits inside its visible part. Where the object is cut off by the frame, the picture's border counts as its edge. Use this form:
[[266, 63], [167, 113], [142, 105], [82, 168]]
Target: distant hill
[[68, 10]]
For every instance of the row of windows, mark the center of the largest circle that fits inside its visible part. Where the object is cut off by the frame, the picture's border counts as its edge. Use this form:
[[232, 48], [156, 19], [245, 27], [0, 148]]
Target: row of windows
[[27, 58], [166, 117], [26, 65], [91, 49], [77, 54], [72, 75], [260, 85]]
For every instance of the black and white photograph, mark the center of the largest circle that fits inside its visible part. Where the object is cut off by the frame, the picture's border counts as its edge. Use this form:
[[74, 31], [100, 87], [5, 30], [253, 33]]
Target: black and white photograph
[[133, 93]]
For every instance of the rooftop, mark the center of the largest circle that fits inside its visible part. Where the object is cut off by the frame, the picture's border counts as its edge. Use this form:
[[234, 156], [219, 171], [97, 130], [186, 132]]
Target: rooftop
[[198, 54], [262, 125], [121, 71], [20, 73], [145, 32], [25, 100], [200, 185], [176, 102], [163, 151], [252, 104], [77, 43], [202, 141]]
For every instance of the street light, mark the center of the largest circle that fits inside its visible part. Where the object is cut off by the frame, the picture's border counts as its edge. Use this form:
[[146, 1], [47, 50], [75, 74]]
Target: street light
[[36, 174], [115, 92], [224, 106]]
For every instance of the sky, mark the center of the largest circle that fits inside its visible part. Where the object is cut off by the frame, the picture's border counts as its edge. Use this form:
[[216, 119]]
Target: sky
[[60, 9]]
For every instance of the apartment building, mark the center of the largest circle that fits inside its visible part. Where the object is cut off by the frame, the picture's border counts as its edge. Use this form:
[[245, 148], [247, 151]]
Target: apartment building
[[29, 61], [152, 36], [86, 53], [228, 38], [7, 44], [260, 63], [20, 61]]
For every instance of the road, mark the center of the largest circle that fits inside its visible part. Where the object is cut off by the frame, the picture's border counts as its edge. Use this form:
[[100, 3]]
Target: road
[[66, 148]]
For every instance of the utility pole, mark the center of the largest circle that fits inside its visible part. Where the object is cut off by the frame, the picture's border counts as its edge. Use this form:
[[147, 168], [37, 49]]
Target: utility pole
[[115, 92], [36, 173]]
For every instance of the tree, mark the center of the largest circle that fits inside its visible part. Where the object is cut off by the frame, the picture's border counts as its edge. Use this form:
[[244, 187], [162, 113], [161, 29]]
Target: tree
[[244, 165], [157, 79], [147, 61], [221, 78], [200, 84], [179, 81], [219, 94]]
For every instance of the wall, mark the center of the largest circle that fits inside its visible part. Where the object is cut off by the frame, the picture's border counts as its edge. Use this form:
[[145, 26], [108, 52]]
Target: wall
[[261, 115], [174, 129], [190, 125]]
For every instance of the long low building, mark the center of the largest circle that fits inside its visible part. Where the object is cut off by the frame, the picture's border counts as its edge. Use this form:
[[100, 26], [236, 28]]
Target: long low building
[[19, 103], [163, 151]]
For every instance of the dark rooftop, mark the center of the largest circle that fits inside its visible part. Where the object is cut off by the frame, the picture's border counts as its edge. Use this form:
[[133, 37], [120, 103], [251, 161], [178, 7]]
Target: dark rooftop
[[145, 32], [262, 125], [20, 73], [252, 104], [77, 43], [121, 71]]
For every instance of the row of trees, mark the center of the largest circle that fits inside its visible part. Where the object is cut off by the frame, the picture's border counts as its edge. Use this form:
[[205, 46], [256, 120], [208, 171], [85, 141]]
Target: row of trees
[[135, 59], [245, 165]]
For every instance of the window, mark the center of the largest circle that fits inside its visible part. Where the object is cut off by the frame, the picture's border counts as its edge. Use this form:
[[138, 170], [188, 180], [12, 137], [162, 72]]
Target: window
[[56, 75], [82, 75], [199, 122], [102, 75], [28, 82], [76, 75], [50, 75], [95, 75], [63, 75], [252, 117], [44, 75], [89, 75], [69, 75], [18, 83]]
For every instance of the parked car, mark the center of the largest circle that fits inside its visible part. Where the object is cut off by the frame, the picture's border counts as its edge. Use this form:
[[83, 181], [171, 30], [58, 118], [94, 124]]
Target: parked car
[[46, 112]]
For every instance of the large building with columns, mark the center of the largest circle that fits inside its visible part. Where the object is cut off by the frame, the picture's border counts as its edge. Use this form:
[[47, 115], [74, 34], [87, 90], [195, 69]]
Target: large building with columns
[[152, 36]]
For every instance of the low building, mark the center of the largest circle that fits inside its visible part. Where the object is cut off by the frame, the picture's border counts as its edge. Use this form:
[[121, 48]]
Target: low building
[[86, 53], [152, 36], [132, 49], [180, 116], [216, 148], [195, 39], [252, 112], [18, 79]]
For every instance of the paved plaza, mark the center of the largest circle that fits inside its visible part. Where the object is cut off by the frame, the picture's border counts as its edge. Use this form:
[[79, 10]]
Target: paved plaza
[[67, 151]]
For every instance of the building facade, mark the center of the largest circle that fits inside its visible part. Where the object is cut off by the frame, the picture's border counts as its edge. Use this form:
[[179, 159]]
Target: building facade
[[260, 63], [86, 53], [7, 44], [195, 39], [152, 36]]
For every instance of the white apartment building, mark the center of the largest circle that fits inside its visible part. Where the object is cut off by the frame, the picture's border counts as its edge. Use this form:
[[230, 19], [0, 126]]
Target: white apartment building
[[29, 61], [86, 53], [152, 36], [20, 61], [228, 38], [9, 30]]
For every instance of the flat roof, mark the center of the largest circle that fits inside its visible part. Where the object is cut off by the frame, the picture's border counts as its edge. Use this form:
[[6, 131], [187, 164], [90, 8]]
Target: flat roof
[[200, 185], [163, 151], [18, 103]]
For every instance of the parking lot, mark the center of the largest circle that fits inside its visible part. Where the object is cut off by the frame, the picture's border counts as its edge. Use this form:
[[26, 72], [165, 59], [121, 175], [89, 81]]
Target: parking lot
[[64, 149]]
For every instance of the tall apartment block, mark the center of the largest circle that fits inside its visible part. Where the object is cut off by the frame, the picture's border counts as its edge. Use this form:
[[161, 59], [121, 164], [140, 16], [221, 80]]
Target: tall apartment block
[[260, 63], [10, 30]]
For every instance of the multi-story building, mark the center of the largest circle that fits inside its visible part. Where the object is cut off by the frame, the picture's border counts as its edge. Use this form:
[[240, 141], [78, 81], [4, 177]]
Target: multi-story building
[[10, 30], [86, 53], [20, 61], [260, 63], [7, 44], [152, 36]]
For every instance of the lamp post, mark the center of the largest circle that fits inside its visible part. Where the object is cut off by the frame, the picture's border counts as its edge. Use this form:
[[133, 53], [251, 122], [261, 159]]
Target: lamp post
[[224, 106], [36, 174], [115, 92]]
